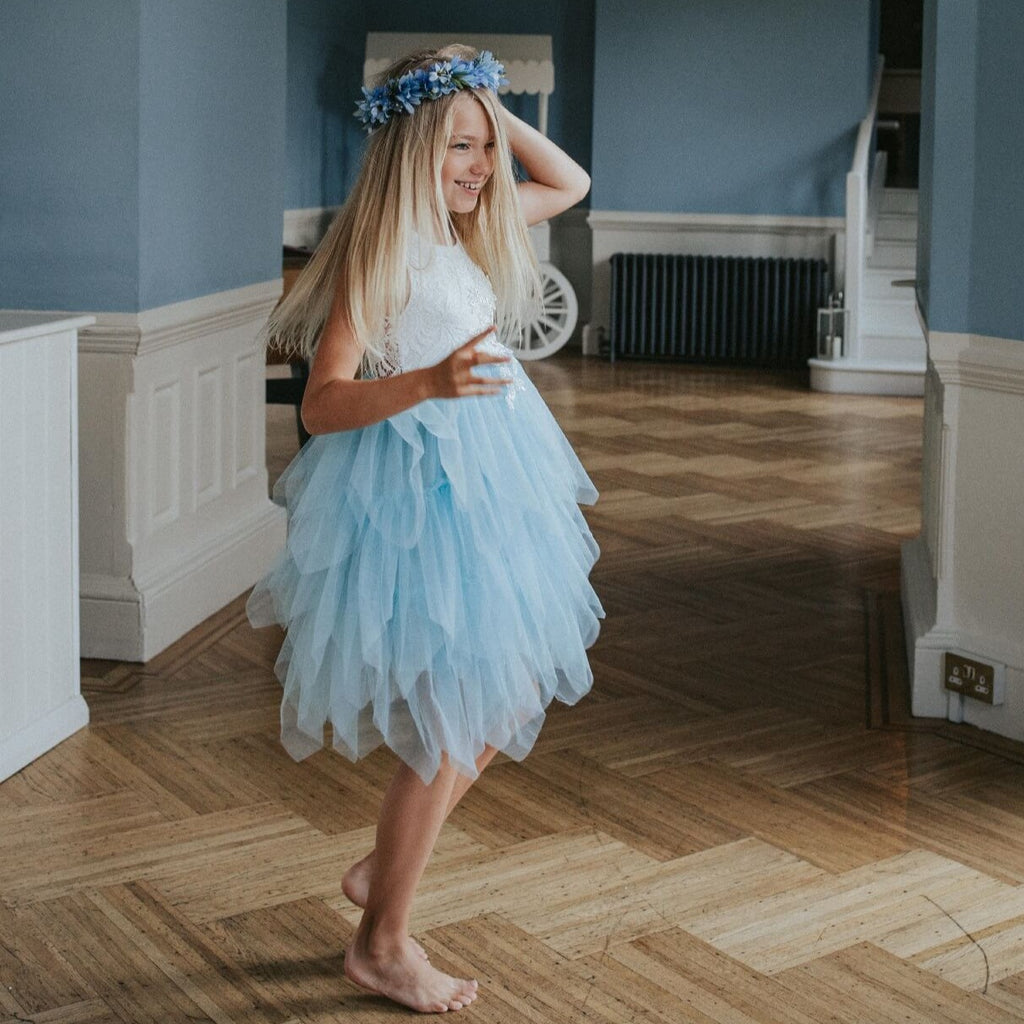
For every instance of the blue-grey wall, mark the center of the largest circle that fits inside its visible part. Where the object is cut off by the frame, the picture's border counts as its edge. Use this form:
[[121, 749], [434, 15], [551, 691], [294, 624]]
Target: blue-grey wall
[[142, 154], [946, 178], [69, 154], [997, 306], [326, 48], [211, 153], [728, 106], [971, 220]]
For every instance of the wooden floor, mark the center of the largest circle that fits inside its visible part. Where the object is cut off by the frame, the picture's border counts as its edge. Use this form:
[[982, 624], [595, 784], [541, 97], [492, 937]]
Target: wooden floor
[[713, 835]]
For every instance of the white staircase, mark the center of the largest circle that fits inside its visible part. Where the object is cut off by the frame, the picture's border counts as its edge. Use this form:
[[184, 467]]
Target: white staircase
[[889, 328], [885, 353]]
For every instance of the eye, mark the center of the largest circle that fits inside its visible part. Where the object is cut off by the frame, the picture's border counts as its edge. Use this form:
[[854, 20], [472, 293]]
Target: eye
[[461, 145]]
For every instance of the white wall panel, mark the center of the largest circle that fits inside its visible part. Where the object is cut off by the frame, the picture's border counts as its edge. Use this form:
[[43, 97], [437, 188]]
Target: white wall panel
[[163, 466], [208, 435], [248, 426], [14, 638], [40, 702]]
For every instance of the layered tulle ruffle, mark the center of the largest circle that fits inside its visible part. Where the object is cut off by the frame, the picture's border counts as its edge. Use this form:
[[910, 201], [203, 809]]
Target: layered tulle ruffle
[[434, 586]]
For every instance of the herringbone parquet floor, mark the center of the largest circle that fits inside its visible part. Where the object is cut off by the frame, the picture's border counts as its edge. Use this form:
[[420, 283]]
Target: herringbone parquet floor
[[714, 834]]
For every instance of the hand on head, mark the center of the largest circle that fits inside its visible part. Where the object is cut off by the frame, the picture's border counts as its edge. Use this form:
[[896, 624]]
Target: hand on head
[[455, 376]]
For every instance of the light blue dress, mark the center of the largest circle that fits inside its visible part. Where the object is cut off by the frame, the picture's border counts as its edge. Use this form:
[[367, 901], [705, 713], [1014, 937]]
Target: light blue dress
[[434, 585]]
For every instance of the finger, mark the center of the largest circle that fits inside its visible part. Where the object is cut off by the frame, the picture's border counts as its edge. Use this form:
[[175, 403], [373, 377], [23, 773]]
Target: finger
[[492, 357], [490, 381], [477, 338]]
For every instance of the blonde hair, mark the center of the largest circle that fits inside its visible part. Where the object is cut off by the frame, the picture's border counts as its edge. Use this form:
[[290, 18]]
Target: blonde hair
[[363, 258]]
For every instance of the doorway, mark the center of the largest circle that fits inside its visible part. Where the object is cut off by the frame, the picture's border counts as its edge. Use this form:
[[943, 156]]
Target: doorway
[[899, 102]]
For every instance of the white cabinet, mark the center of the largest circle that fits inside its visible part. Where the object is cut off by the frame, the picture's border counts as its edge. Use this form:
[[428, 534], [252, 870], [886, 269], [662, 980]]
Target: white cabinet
[[40, 694]]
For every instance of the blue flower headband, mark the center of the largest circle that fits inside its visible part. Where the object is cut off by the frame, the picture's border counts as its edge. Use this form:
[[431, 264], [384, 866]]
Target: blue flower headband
[[404, 94]]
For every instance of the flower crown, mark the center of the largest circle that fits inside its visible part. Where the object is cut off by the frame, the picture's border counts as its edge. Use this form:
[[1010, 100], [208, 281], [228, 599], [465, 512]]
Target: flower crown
[[404, 94]]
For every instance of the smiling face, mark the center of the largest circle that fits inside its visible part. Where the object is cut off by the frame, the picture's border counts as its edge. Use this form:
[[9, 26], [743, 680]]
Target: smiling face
[[469, 159]]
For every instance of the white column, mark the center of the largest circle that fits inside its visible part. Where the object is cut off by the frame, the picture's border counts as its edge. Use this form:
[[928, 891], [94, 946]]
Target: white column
[[963, 577]]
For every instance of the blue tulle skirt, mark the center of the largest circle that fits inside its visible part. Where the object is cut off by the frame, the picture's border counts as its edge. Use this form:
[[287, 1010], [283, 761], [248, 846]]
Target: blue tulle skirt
[[434, 586]]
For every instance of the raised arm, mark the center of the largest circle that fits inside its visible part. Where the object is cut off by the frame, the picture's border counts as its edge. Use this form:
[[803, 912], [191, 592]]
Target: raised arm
[[556, 180], [334, 400]]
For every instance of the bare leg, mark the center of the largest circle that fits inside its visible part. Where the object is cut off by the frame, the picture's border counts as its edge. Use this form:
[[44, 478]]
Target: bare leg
[[380, 957], [356, 883], [463, 782]]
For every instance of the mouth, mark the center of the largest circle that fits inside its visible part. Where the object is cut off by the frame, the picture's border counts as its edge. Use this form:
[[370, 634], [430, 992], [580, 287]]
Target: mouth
[[471, 186]]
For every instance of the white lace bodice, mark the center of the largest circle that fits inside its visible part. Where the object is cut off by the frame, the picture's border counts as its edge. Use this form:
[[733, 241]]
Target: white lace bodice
[[450, 300]]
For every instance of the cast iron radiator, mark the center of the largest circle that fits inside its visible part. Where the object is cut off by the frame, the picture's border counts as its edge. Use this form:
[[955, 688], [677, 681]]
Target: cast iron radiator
[[716, 309]]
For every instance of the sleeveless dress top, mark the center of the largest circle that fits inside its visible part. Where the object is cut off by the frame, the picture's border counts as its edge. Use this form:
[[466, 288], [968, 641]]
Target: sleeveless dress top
[[434, 583]]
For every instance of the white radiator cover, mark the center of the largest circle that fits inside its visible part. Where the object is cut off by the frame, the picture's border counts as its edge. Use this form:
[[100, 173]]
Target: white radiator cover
[[40, 699]]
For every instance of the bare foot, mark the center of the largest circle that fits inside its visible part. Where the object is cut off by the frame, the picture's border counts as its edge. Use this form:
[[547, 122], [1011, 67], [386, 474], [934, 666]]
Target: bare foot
[[406, 978], [356, 886]]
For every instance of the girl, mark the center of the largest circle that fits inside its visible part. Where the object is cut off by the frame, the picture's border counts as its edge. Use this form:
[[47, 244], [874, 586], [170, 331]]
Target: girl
[[434, 584]]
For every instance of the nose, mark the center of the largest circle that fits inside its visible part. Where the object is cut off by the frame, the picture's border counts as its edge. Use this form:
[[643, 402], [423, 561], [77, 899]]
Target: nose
[[483, 162]]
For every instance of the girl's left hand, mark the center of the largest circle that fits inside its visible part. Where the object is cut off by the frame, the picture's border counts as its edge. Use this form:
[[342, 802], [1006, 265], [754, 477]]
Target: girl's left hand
[[454, 376]]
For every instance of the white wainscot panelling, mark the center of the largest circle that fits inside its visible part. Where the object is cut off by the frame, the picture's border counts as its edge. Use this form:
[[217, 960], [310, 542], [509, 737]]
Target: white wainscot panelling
[[164, 462], [188, 456], [40, 699]]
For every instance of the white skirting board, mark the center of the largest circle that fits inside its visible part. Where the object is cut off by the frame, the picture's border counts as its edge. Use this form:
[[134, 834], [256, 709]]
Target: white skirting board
[[963, 577], [137, 623], [175, 515], [845, 377]]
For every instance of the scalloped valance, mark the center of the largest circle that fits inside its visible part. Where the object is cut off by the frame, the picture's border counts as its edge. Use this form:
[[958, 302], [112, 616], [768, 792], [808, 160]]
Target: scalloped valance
[[527, 59]]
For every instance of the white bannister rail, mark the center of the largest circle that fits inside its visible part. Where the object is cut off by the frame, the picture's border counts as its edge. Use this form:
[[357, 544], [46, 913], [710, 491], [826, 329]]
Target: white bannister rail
[[860, 213]]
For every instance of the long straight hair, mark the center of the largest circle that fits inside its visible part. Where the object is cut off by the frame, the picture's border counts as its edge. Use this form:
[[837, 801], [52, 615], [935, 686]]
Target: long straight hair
[[362, 261]]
